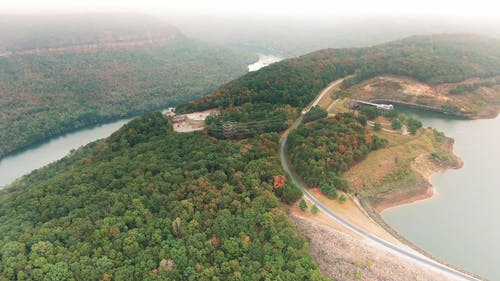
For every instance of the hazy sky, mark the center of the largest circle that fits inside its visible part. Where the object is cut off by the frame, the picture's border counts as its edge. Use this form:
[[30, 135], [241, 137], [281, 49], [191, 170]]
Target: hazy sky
[[486, 9]]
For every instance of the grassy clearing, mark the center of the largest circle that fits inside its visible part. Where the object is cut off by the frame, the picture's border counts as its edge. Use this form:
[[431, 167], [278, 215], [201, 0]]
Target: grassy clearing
[[401, 169], [341, 105]]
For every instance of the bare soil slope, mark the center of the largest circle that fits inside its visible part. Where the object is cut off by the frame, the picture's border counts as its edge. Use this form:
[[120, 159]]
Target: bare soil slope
[[483, 102]]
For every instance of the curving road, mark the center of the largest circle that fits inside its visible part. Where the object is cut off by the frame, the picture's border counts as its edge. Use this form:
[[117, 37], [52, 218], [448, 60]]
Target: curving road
[[322, 94], [402, 251]]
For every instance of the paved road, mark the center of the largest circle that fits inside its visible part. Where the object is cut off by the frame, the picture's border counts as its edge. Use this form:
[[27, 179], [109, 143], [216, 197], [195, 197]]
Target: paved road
[[402, 251], [322, 94]]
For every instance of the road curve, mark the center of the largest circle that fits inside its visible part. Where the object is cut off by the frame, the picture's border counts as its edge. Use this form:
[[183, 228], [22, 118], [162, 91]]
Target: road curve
[[402, 251], [322, 94]]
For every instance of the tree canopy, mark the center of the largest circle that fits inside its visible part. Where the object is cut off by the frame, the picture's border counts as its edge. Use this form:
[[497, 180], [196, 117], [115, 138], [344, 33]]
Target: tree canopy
[[322, 151], [152, 204]]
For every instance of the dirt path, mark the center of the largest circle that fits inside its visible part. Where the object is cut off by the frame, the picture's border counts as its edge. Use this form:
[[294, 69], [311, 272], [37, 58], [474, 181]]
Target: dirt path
[[332, 105]]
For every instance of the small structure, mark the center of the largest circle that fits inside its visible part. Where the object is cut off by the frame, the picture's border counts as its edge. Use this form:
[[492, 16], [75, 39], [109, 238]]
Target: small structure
[[189, 122], [384, 107], [169, 112]]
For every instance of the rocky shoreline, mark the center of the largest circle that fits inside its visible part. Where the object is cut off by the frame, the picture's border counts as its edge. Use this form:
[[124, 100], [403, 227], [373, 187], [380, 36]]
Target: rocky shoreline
[[355, 259]]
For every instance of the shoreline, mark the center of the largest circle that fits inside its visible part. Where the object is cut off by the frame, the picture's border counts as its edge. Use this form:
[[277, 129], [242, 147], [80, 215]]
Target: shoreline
[[429, 193], [351, 255], [472, 105], [419, 189], [374, 211], [377, 218], [463, 115], [426, 175], [424, 168]]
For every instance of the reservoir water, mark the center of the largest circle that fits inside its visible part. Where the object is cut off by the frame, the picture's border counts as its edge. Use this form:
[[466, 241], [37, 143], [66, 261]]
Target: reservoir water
[[264, 60], [460, 224], [23, 162]]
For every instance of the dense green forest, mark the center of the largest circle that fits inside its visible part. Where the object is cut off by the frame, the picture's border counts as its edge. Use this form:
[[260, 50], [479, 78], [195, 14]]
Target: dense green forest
[[322, 151], [51, 93], [430, 59], [152, 204]]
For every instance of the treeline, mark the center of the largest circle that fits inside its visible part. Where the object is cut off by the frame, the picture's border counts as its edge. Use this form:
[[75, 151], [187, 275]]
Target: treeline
[[322, 151], [462, 88], [151, 204], [294, 81], [314, 114], [430, 59], [50, 94], [433, 59]]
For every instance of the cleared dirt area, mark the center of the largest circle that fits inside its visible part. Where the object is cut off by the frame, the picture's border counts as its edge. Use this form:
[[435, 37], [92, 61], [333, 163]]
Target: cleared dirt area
[[191, 122], [483, 102], [341, 256]]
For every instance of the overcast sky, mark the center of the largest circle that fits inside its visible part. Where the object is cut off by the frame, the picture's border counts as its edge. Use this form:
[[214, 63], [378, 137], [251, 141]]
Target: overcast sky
[[485, 9]]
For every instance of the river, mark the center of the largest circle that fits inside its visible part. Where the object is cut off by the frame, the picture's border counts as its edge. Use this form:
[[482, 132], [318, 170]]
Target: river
[[264, 60], [18, 164], [21, 163], [460, 224]]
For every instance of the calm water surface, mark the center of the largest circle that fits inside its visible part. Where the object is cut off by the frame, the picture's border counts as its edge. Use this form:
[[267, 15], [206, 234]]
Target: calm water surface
[[19, 164], [264, 60], [461, 223]]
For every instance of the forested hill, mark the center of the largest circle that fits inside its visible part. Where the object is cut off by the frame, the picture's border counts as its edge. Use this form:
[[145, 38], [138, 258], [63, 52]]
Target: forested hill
[[97, 69], [431, 59], [151, 204]]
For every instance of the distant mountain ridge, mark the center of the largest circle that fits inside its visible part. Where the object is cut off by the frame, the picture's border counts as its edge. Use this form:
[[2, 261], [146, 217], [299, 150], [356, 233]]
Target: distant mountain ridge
[[26, 34]]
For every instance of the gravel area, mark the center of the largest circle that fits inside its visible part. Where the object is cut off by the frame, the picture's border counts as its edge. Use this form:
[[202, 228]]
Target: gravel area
[[342, 257]]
